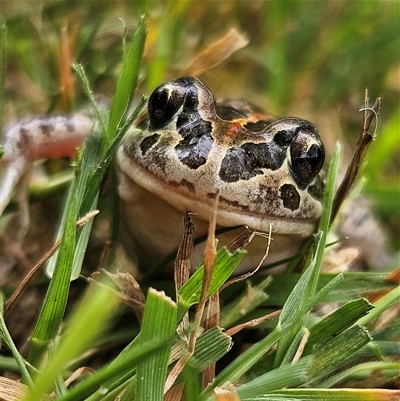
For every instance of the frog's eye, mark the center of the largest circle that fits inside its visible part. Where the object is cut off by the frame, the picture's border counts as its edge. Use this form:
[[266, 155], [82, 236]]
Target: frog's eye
[[164, 103], [307, 155]]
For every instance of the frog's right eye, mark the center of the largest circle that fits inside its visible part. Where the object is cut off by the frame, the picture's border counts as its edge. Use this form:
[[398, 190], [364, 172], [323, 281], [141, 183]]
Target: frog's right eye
[[164, 103]]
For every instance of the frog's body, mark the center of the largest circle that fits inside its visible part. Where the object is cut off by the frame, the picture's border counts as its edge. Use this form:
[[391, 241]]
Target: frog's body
[[189, 149]]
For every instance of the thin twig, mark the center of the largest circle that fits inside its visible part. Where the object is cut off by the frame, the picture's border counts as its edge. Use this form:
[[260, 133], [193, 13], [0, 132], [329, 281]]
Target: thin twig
[[362, 145]]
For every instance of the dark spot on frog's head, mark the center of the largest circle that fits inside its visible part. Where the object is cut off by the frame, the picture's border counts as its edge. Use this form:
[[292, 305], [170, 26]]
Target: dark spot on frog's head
[[194, 148], [148, 142], [290, 197], [46, 128], [246, 161], [284, 138]]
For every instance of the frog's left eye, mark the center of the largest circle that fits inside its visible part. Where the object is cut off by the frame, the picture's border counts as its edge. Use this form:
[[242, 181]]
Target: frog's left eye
[[307, 155], [164, 103]]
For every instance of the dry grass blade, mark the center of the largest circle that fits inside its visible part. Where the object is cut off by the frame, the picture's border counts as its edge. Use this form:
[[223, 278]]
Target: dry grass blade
[[182, 261], [252, 323], [362, 145], [225, 395], [12, 390], [217, 52], [129, 292], [211, 318], [209, 260]]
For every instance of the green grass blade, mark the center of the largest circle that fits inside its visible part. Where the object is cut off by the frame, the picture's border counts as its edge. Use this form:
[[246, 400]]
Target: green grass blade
[[225, 264], [78, 337], [124, 366], [389, 300], [53, 308], [335, 323], [310, 368], [87, 157], [7, 338], [237, 368], [363, 369], [159, 324], [347, 394], [210, 347], [338, 350], [101, 167], [90, 177], [307, 284], [251, 297], [127, 80], [354, 285]]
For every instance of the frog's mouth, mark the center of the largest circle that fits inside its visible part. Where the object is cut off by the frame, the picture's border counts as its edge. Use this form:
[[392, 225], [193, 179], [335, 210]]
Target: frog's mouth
[[182, 197]]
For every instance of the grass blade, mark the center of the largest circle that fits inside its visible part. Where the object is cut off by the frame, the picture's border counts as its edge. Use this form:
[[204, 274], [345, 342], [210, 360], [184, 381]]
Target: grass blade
[[53, 308], [225, 264], [328, 395], [310, 368], [159, 324], [127, 80], [78, 337], [307, 284]]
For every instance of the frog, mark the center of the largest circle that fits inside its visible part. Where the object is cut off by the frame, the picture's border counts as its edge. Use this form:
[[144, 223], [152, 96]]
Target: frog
[[189, 149]]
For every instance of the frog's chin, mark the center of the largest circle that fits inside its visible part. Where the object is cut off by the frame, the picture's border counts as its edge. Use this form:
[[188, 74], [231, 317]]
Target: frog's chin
[[134, 178]]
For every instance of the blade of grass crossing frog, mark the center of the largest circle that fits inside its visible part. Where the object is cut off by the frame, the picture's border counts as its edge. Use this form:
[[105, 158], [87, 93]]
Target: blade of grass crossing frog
[[87, 157], [307, 284], [159, 323], [84, 81], [97, 177], [90, 181], [127, 80]]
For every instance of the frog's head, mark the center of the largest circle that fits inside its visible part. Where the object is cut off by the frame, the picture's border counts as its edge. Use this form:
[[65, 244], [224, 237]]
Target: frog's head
[[191, 147]]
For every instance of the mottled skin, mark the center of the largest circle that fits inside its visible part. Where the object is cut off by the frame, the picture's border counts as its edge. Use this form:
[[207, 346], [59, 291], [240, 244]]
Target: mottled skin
[[266, 173], [188, 149]]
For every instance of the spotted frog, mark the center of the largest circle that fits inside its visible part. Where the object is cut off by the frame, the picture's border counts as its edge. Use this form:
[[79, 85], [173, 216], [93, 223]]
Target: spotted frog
[[189, 148]]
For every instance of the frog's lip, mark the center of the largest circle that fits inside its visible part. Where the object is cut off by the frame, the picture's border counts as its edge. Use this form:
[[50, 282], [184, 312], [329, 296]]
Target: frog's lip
[[202, 210]]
